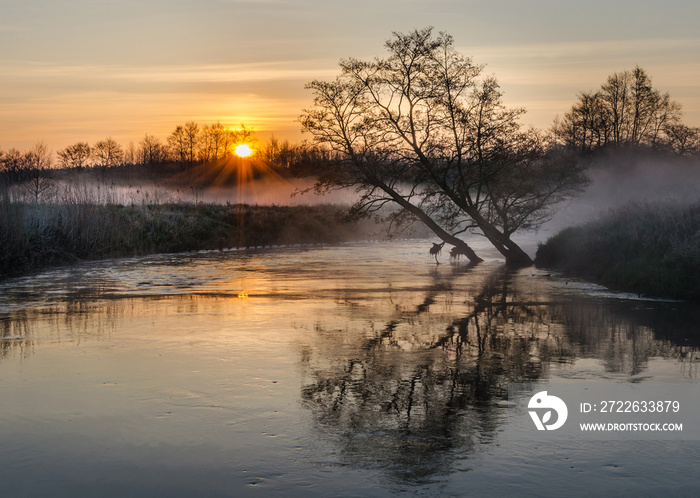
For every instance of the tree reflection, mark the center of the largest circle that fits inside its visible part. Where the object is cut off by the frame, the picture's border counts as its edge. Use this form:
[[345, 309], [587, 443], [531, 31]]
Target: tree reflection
[[408, 376], [15, 335], [414, 410], [626, 335], [417, 395]]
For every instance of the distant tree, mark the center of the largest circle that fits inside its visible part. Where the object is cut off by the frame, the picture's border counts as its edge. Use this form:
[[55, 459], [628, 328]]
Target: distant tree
[[229, 140], [75, 156], [152, 151], [586, 127], [13, 166], [683, 140], [205, 148], [177, 144], [243, 135], [108, 153], [213, 143], [216, 142], [191, 131], [626, 111], [38, 162], [183, 142], [281, 154], [270, 149], [420, 129], [130, 154]]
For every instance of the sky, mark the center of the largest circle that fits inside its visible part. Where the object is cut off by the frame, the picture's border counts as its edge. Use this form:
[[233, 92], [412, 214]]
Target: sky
[[83, 70]]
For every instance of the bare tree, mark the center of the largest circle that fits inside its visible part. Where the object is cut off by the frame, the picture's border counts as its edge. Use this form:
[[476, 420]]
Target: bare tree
[[419, 128], [13, 165], [177, 144], [683, 140], [281, 154], [130, 155], [362, 158], [183, 142], [271, 150], [108, 153], [191, 131], [626, 111], [37, 164], [152, 151], [214, 141], [243, 135], [75, 156]]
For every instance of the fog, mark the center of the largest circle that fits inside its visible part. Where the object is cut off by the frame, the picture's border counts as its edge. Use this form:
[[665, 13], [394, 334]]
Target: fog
[[615, 181], [266, 191], [621, 181]]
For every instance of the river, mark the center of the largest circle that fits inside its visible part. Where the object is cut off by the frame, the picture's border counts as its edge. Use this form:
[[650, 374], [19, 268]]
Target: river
[[352, 370]]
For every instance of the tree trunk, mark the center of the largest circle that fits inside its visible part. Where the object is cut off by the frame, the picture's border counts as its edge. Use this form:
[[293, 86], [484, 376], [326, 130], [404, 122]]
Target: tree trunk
[[437, 229], [513, 253]]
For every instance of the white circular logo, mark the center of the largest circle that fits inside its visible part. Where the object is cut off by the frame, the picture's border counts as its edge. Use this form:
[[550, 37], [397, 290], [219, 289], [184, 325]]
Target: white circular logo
[[543, 404]]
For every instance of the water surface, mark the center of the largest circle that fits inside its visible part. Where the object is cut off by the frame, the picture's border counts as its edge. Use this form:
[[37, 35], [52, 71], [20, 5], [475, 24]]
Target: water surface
[[360, 369]]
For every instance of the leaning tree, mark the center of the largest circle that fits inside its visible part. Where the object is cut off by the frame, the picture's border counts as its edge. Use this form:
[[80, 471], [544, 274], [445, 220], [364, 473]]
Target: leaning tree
[[422, 129]]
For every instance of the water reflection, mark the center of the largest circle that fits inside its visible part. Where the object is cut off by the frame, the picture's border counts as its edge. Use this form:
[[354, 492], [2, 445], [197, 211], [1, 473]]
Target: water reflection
[[393, 370], [15, 335], [419, 393]]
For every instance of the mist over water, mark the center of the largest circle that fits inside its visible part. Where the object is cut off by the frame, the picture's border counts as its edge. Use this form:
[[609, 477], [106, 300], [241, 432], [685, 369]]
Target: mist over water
[[615, 181], [621, 181], [265, 191]]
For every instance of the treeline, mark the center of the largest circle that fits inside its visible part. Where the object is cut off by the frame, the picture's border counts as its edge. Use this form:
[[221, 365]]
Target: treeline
[[627, 112], [188, 146]]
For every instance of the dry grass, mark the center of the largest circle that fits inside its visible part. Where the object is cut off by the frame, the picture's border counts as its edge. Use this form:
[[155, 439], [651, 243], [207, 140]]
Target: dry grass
[[34, 235]]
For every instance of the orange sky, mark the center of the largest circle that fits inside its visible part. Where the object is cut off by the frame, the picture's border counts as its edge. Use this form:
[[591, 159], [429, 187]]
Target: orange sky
[[84, 70]]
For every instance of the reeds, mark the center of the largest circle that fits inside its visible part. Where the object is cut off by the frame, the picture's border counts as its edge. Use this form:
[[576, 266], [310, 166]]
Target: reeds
[[652, 250], [34, 234]]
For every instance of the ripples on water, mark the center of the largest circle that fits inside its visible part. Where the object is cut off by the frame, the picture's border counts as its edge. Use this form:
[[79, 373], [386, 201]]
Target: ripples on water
[[340, 370]]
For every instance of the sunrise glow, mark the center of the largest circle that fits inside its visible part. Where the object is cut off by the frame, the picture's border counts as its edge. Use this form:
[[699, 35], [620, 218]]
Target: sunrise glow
[[243, 150], [403, 202]]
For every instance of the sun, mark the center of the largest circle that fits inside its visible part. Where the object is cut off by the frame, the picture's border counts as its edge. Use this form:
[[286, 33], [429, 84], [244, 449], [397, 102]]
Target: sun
[[243, 150]]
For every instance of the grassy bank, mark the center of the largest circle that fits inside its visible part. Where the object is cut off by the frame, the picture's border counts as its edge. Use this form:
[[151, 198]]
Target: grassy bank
[[652, 250], [36, 235]]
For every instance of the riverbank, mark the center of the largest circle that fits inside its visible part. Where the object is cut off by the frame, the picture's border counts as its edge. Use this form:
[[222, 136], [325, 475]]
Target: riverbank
[[36, 235], [653, 250]]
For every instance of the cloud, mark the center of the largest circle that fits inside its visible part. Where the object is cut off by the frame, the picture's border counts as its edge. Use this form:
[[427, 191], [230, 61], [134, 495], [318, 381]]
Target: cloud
[[592, 49], [208, 73]]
